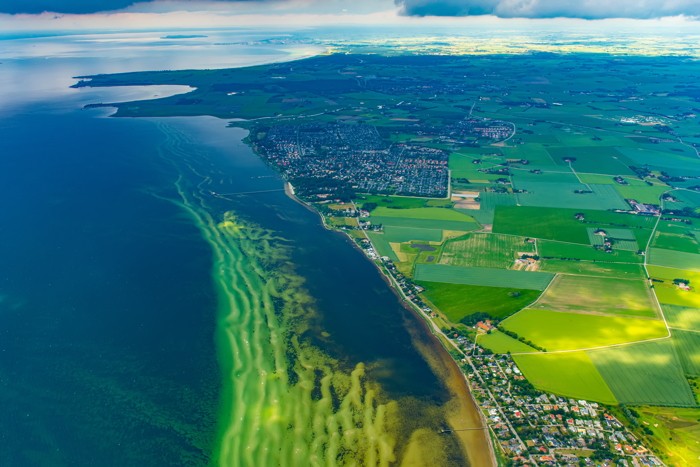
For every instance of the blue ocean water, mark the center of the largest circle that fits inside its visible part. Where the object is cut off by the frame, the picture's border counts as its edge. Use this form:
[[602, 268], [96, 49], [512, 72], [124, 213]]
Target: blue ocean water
[[107, 307]]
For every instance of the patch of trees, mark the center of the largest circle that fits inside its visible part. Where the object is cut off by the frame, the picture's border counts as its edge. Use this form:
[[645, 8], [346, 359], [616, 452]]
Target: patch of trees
[[521, 339], [474, 318]]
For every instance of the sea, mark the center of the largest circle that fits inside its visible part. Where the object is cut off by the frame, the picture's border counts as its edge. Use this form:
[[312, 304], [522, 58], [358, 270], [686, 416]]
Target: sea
[[164, 302]]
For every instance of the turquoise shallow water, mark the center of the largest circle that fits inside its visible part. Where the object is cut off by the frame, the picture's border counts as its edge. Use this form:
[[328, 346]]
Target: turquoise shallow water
[[113, 304]]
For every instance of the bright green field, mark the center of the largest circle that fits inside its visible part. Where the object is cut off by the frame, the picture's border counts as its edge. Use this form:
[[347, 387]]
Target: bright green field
[[645, 373], [676, 433], [668, 293], [547, 223], [458, 301], [497, 342], [430, 224], [620, 270], [568, 374], [441, 214], [687, 345], [682, 317], [485, 250], [554, 330], [674, 259], [642, 194], [482, 276], [586, 294], [382, 245], [396, 234]]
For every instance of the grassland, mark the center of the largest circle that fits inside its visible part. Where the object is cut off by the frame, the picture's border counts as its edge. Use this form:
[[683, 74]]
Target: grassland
[[498, 342], [573, 251], [545, 223], [458, 301], [436, 214], [677, 242], [644, 373], [687, 345], [682, 317], [396, 234], [594, 268], [668, 293], [485, 250], [430, 224], [482, 276], [555, 330], [674, 259], [382, 245], [585, 294], [571, 375], [676, 432]]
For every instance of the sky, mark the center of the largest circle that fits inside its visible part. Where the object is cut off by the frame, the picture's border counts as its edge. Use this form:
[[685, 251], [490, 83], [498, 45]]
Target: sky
[[137, 14]]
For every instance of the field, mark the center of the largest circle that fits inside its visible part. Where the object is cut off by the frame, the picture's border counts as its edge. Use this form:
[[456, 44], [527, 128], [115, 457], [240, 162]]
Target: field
[[382, 245], [557, 194], [569, 374], [687, 344], [497, 342], [645, 373], [677, 242], [594, 268], [674, 259], [682, 317], [568, 251], [396, 234], [485, 250], [482, 276], [431, 224], [437, 214], [555, 330], [670, 294], [458, 301], [676, 432], [585, 294], [546, 223]]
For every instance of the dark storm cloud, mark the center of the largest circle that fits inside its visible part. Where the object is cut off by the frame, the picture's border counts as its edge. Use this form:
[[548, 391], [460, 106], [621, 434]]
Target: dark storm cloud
[[586, 9], [79, 6]]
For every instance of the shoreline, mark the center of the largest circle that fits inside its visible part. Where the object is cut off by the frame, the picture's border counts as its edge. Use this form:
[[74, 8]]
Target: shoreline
[[456, 381]]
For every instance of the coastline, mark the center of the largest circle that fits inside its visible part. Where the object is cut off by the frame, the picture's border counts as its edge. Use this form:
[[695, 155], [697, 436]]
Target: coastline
[[469, 425]]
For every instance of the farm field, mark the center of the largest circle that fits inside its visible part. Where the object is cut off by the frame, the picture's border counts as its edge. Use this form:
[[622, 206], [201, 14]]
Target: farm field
[[498, 342], [676, 432], [569, 374], [687, 344], [644, 373], [485, 250], [547, 223], [677, 242], [440, 214], [458, 301], [585, 294], [674, 259], [670, 294], [431, 224], [682, 317], [489, 277], [396, 234], [594, 268], [382, 245], [568, 251], [555, 330]]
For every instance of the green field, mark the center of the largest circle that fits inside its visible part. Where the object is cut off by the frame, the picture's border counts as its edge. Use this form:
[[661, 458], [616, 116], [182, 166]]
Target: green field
[[396, 234], [568, 374], [644, 373], [591, 268], [593, 159], [676, 432], [430, 224], [569, 251], [642, 194], [497, 342], [678, 242], [682, 317], [485, 250], [393, 202], [622, 239], [382, 245], [488, 203], [687, 344], [674, 259], [437, 214], [586, 294], [668, 293], [546, 223], [482, 276], [458, 301], [555, 330]]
